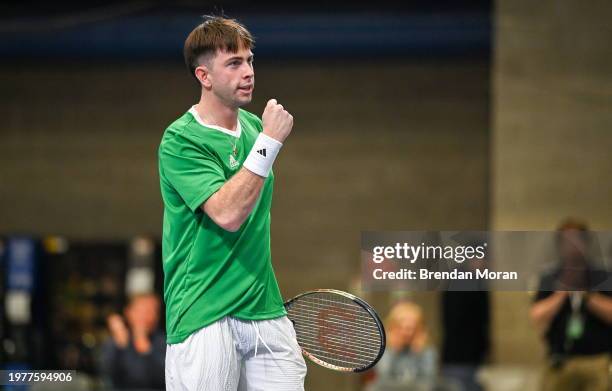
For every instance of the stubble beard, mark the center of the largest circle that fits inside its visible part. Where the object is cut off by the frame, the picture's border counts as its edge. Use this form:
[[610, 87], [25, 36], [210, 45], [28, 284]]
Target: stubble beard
[[232, 99]]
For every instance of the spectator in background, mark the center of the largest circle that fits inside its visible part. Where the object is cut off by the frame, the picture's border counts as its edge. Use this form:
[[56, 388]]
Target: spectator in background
[[408, 361], [574, 316], [133, 358]]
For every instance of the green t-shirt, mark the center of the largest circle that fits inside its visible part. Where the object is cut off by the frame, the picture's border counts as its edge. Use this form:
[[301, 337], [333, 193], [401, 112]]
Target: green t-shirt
[[209, 272]]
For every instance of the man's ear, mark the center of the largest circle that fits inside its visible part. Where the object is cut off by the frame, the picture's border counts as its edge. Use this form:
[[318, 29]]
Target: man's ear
[[203, 75]]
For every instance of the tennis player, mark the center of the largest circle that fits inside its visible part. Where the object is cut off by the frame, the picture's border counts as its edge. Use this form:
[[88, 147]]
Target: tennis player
[[226, 324]]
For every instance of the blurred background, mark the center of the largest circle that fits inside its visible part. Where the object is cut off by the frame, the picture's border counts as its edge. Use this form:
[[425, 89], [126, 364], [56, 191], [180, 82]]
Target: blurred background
[[425, 115]]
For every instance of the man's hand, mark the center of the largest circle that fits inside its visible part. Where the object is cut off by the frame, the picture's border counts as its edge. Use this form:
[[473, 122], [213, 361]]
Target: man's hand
[[140, 332], [142, 343], [118, 330], [277, 122], [543, 311]]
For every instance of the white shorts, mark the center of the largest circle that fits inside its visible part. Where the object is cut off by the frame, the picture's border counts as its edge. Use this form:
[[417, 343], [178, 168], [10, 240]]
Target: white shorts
[[237, 355]]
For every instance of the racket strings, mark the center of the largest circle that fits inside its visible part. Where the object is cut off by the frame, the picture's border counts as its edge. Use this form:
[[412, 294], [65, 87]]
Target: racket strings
[[367, 350], [357, 338], [358, 319], [362, 343]]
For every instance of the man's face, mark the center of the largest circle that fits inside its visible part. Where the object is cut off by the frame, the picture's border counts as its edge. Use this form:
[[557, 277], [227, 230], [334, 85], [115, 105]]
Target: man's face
[[143, 313], [231, 77], [573, 246], [406, 326]]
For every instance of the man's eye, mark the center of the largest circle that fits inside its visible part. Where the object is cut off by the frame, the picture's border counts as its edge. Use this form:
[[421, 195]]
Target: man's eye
[[234, 63]]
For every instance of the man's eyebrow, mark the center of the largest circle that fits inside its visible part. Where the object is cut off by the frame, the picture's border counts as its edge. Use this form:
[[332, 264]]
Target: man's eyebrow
[[251, 56]]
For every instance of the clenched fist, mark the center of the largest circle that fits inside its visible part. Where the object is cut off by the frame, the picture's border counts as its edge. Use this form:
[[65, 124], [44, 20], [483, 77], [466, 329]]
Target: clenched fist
[[277, 122]]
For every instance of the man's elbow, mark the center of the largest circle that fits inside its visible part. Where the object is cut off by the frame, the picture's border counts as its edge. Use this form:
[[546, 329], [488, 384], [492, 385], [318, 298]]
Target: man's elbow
[[228, 222], [226, 218], [231, 225]]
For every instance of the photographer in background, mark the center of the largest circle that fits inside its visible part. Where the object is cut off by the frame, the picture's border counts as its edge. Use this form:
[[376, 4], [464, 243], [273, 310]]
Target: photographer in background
[[574, 317]]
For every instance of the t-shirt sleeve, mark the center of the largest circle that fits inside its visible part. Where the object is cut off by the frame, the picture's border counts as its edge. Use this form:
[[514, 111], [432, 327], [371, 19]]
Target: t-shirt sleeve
[[192, 170]]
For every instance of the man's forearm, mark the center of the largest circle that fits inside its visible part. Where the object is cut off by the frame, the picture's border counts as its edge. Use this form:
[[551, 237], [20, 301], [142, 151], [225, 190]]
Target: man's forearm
[[543, 311], [601, 306], [230, 206]]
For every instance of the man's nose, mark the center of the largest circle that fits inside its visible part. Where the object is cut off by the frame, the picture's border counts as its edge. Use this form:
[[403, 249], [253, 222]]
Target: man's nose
[[249, 72]]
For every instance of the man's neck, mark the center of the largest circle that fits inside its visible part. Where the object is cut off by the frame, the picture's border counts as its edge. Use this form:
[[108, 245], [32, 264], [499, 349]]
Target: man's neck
[[214, 112]]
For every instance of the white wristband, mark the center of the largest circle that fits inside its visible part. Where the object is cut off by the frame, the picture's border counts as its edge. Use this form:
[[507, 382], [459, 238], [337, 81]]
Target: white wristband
[[262, 155]]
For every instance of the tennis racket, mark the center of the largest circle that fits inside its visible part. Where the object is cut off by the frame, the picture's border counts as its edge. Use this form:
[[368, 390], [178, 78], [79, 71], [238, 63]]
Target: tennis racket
[[337, 330]]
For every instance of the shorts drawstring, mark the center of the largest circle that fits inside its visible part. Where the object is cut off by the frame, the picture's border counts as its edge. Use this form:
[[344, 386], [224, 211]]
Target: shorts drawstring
[[262, 340], [274, 358]]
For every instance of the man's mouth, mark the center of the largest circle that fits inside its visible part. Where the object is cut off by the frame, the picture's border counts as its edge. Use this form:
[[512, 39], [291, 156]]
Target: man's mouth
[[246, 88]]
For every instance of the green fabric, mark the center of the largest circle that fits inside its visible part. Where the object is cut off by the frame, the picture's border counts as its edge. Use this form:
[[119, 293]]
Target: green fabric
[[209, 272]]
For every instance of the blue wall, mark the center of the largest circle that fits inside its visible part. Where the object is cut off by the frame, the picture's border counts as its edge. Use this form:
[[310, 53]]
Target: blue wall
[[156, 35]]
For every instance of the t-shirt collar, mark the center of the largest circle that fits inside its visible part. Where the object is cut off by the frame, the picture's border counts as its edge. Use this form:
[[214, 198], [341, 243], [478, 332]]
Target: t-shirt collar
[[235, 133]]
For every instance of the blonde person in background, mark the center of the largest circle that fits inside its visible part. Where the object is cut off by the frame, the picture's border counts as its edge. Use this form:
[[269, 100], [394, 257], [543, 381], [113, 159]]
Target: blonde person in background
[[409, 362]]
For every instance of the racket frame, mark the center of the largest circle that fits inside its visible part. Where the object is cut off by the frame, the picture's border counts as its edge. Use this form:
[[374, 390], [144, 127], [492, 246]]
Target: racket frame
[[363, 304]]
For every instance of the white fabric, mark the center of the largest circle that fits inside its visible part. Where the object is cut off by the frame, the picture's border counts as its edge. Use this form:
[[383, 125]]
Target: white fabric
[[262, 155], [236, 133], [237, 355]]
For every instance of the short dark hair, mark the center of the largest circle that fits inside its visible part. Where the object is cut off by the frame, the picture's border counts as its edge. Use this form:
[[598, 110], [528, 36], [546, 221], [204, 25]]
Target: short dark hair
[[216, 33], [572, 223]]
